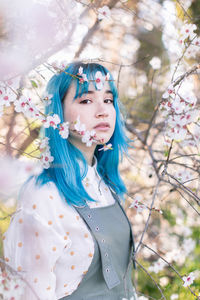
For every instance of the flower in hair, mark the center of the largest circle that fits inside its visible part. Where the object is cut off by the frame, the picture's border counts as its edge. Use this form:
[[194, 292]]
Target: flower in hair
[[64, 130], [83, 77], [100, 80], [106, 147]]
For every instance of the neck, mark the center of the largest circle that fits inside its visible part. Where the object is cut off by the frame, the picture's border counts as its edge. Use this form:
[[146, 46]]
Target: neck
[[88, 152]]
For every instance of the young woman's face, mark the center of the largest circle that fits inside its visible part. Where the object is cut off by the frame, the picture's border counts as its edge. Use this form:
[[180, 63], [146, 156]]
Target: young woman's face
[[96, 111]]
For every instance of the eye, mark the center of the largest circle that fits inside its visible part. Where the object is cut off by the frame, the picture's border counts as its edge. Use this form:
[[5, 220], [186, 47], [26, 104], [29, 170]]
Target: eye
[[108, 101], [85, 101]]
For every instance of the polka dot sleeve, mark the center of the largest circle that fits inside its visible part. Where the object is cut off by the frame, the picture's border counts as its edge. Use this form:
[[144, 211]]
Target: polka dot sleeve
[[32, 248]]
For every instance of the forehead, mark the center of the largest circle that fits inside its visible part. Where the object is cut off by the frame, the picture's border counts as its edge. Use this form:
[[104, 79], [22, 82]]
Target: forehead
[[72, 91]]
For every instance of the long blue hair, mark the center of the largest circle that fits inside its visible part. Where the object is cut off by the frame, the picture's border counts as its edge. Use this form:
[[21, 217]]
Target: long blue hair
[[65, 170]]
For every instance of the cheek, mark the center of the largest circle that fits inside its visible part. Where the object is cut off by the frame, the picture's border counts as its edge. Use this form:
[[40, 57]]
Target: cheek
[[70, 115]]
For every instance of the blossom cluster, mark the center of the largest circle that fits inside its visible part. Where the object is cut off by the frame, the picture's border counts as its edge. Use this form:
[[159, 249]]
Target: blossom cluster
[[179, 111], [190, 40], [11, 287], [99, 78]]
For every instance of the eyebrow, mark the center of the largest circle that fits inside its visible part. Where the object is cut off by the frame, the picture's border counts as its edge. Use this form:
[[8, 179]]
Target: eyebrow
[[92, 92]]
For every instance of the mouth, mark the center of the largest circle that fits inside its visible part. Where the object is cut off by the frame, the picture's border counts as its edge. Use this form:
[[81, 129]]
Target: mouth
[[102, 126]]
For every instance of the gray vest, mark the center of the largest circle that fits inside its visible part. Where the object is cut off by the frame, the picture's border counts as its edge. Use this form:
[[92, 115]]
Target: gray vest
[[109, 275]]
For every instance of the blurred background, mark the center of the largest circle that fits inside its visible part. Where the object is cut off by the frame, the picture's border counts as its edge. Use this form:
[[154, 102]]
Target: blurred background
[[146, 46]]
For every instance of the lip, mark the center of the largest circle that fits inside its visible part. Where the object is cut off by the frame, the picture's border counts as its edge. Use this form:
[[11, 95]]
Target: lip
[[104, 126]]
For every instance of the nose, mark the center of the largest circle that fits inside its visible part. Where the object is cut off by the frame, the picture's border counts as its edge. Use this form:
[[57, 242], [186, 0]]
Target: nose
[[101, 112]]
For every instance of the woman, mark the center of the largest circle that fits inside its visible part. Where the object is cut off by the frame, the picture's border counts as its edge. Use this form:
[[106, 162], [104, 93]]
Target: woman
[[70, 237]]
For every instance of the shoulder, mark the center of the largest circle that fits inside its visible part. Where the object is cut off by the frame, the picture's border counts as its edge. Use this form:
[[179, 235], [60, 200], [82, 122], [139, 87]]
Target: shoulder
[[44, 201]]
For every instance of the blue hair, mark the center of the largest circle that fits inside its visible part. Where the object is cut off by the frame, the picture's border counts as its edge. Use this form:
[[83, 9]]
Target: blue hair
[[65, 171]]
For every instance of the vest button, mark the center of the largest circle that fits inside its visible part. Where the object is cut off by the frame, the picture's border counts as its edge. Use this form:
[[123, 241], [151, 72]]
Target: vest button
[[103, 241], [107, 270], [89, 216], [106, 254], [97, 228]]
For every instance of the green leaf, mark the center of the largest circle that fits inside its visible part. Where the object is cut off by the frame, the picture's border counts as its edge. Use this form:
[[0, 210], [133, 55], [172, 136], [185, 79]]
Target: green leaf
[[34, 84]]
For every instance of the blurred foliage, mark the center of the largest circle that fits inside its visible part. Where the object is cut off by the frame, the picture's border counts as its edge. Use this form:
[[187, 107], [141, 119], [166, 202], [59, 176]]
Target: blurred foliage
[[174, 285]]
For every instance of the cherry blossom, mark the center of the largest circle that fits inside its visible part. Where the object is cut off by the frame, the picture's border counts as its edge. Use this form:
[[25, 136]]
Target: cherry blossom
[[177, 133], [89, 137], [104, 12], [46, 159], [79, 127], [46, 98], [155, 62], [80, 71], [99, 79], [59, 66], [170, 90], [64, 130], [6, 97], [43, 143], [183, 176], [187, 31], [106, 147], [188, 280], [157, 266], [21, 104], [135, 204], [51, 121], [11, 287]]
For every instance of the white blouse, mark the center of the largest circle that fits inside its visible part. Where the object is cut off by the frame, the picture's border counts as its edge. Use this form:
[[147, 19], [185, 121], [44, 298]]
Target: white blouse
[[48, 242]]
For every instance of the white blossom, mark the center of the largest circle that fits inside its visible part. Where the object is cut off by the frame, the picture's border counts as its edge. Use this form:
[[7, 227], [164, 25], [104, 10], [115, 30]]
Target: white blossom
[[46, 159], [183, 176], [188, 280], [104, 12], [106, 147], [135, 204], [170, 90], [155, 62], [11, 287], [46, 98], [79, 126], [51, 121], [187, 31], [174, 297], [99, 79], [64, 130], [88, 137], [157, 266]]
